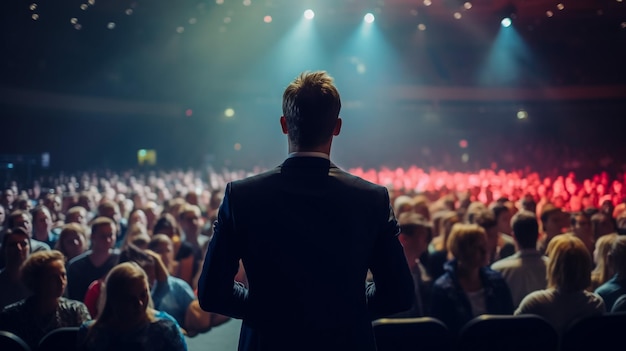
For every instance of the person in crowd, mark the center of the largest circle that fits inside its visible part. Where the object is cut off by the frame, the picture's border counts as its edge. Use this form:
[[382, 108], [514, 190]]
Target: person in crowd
[[95, 263], [53, 203], [602, 271], [128, 319], [308, 203], [110, 209], [581, 228], [152, 211], [23, 219], [14, 251], [616, 286], [86, 201], [190, 220], [495, 241], [468, 288], [524, 271], [3, 217], [72, 241], [506, 243], [569, 275], [552, 222], [401, 204], [43, 226], [7, 199], [415, 234], [438, 252], [603, 224], [77, 214], [183, 250], [43, 273]]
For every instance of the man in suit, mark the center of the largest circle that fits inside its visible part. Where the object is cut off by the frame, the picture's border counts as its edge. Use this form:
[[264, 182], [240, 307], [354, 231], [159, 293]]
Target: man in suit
[[307, 248]]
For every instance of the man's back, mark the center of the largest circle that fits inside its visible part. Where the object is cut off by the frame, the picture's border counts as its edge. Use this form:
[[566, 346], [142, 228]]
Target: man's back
[[307, 233]]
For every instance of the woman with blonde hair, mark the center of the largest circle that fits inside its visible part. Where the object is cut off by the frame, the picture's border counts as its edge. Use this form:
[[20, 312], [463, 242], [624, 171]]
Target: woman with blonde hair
[[468, 288], [569, 274], [602, 272], [127, 319]]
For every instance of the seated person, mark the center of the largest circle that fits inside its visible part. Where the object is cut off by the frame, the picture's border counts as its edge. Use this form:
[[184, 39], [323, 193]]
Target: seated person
[[468, 288], [15, 250], [128, 320], [616, 286], [32, 318], [565, 299]]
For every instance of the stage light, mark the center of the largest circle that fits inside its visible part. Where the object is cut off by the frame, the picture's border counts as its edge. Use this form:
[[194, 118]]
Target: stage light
[[522, 114], [309, 14], [369, 18], [229, 112], [267, 19], [506, 22]]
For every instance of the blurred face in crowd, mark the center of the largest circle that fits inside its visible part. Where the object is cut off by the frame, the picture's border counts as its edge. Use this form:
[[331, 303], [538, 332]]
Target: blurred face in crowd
[[17, 248], [79, 217], [23, 221], [42, 222], [53, 280], [8, 196], [103, 238], [475, 254], [191, 223], [166, 251], [3, 214], [504, 222], [73, 244]]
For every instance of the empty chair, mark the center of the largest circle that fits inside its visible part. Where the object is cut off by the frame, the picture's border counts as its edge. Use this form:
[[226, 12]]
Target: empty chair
[[523, 332], [601, 332], [408, 334], [59, 339], [12, 342]]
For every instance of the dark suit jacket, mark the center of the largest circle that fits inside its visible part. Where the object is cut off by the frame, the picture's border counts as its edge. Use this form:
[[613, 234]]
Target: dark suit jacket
[[307, 233]]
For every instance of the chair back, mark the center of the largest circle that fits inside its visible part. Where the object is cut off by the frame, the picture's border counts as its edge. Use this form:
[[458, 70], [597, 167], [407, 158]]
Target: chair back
[[508, 333], [601, 332], [411, 334], [12, 342], [59, 339]]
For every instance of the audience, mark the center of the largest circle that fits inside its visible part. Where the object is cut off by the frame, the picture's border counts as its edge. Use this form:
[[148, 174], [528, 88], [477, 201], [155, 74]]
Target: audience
[[428, 203], [128, 320], [468, 288], [569, 274], [14, 251], [602, 271], [32, 318], [524, 271], [95, 263], [611, 290]]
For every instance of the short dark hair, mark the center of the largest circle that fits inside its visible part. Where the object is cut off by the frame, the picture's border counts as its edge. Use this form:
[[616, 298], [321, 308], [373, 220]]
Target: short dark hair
[[413, 223], [311, 105], [525, 229], [498, 209], [484, 218], [100, 221], [549, 210]]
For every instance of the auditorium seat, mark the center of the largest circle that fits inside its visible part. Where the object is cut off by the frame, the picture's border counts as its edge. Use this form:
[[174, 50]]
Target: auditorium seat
[[602, 332], [507, 332], [12, 342], [411, 334], [59, 339]]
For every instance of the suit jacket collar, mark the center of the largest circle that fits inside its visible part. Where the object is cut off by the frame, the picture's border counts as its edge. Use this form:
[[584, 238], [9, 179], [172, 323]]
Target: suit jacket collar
[[306, 165]]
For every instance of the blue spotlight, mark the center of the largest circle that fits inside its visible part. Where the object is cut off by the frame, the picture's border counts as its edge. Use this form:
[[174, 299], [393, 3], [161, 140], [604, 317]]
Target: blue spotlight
[[506, 22], [369, 18], [309, 14]]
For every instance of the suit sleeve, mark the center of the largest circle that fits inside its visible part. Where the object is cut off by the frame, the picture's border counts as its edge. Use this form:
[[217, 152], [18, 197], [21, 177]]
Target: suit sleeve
[[392, 289], [217, 290]]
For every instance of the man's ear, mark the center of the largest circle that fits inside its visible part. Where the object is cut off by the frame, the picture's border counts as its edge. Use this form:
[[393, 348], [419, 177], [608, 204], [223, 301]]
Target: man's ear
[[337, 129], [283, 124]]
